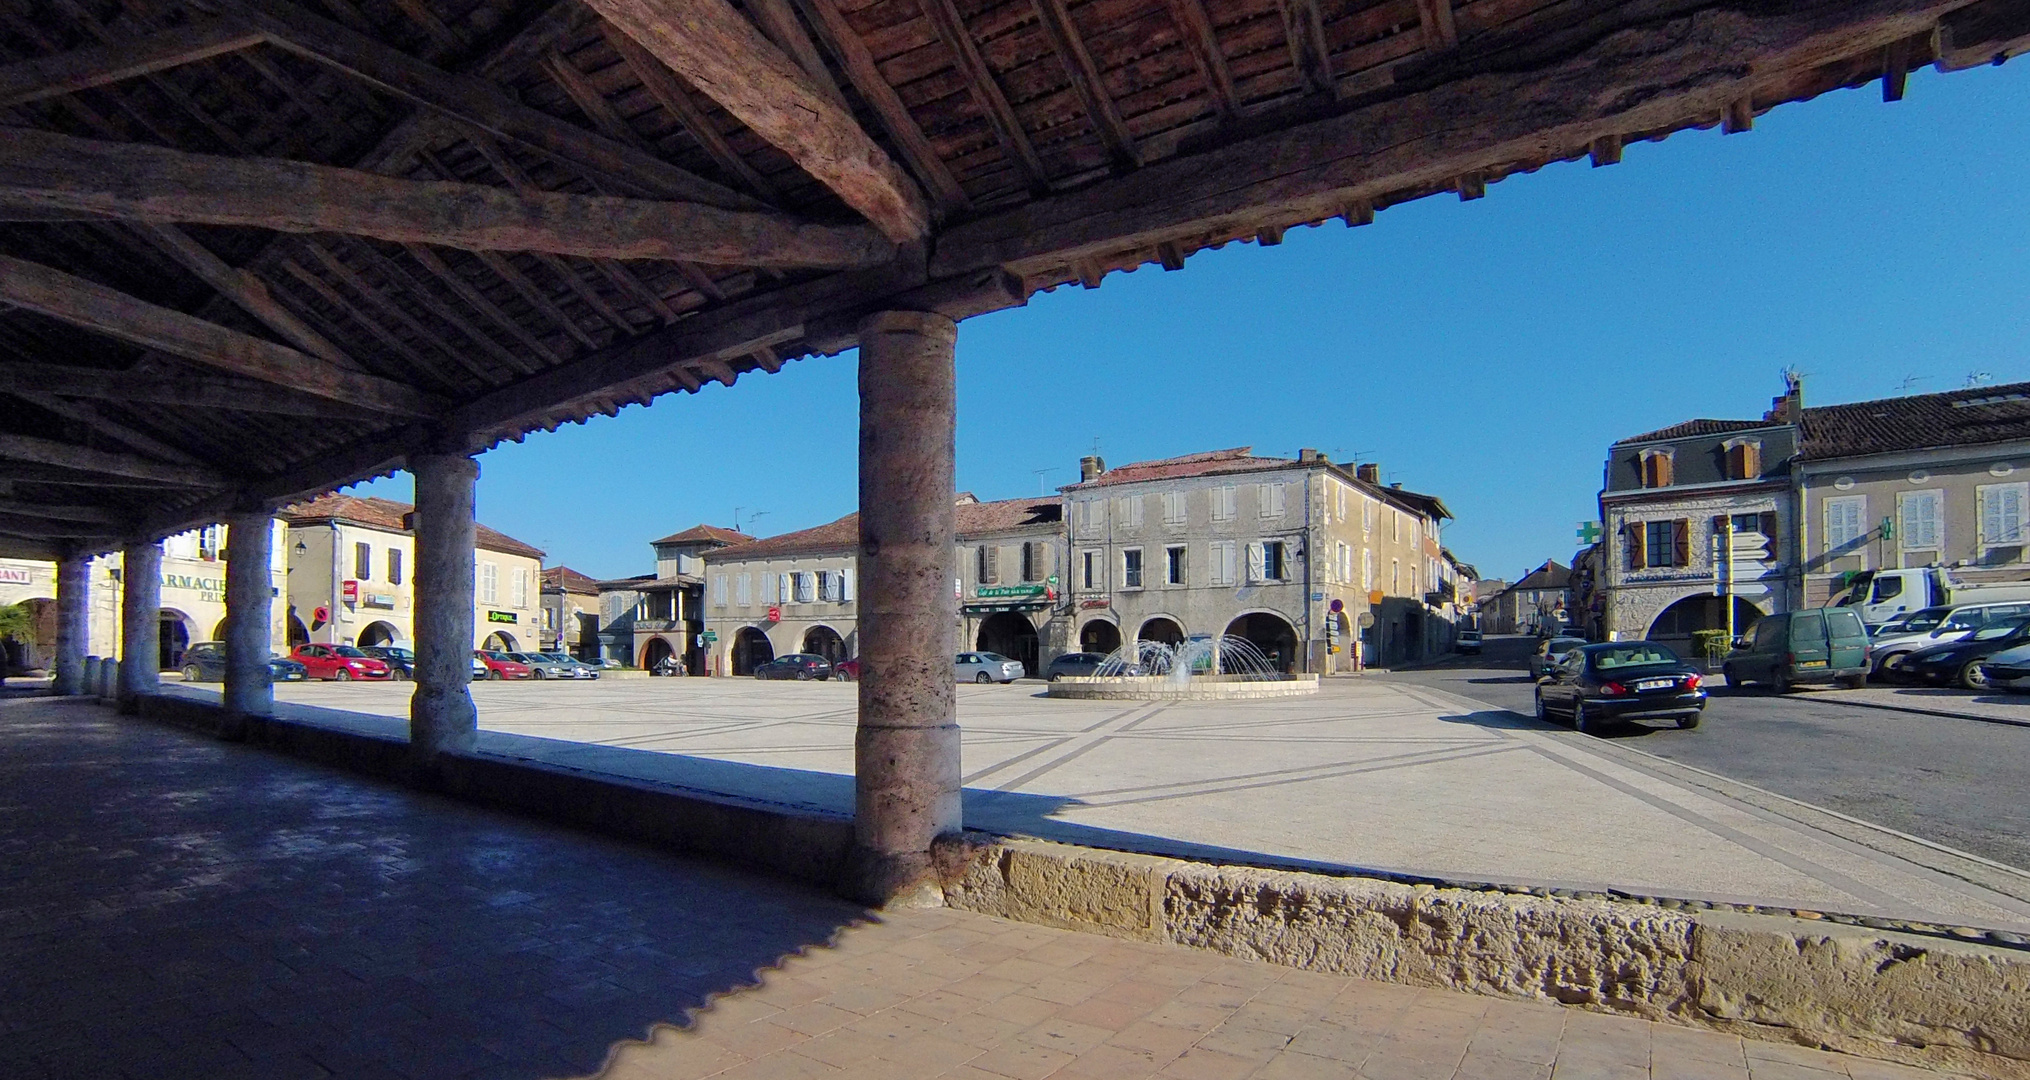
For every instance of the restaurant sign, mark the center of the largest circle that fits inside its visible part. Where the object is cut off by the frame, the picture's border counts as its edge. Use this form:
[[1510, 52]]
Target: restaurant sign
[[1009, 592]]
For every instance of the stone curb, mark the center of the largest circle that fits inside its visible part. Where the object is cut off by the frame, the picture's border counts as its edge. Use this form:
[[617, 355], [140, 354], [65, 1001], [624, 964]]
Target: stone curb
[[1921, 711], [1927, 1001]]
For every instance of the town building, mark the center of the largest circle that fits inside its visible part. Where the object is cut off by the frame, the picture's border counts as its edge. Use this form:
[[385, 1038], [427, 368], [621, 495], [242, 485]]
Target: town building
[[570, 613], [1536, 604], [663, 614], [1301, 557], [351, 563]]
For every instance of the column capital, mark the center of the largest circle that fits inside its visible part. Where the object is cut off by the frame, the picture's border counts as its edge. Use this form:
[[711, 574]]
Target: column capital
[[926, 323]]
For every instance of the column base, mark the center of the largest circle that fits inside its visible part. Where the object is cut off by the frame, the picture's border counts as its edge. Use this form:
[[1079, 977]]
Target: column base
[[886, 879]]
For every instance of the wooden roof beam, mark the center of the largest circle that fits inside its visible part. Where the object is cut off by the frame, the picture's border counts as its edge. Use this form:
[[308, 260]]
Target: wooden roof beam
[[113, 61], [195, 391], [89, 515], [105, 462], [98, 422], [985, 88], [149, 183], [663, 85], [107, 311], [729, 60], [1203, 41], [1085, 79], [1310, 54], [243, 289]]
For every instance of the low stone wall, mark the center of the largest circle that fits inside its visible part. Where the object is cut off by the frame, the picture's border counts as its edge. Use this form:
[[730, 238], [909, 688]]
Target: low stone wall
[[1904, 997], [1162, 688]]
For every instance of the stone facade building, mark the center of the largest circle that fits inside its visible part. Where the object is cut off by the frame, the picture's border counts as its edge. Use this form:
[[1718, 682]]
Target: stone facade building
[[570, 613], [660, 616], [1538, 602]]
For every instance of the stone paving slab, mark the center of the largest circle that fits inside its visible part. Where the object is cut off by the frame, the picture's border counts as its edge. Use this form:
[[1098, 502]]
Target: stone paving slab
[[178, 907], [1365, 775]]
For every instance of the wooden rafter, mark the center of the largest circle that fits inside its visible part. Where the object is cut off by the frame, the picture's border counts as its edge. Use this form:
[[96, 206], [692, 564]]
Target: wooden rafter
[[90, 416], [243, 289], [149, 183], [985, 88], [65, 455], [1086, 82], [1441, 31], [729, 60], [89, 515], [107, 311], [109, 62], [193, 391], [668, 90], [1304, 29], [1203, 40], [779, 21]]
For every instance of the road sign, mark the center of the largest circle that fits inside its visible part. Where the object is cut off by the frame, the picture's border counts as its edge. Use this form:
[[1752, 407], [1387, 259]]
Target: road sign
[[1317, 597], [1338, 605], [1375, 598], [1589, 532]]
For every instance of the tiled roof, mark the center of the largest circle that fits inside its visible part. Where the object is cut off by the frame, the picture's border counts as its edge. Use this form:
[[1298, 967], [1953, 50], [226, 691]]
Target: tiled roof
[[1972, 417], [1210, 463], [974, 519], [390, 515], [1691, 428], [634, 582], [1551, 575], [569, 580], [700, 533]]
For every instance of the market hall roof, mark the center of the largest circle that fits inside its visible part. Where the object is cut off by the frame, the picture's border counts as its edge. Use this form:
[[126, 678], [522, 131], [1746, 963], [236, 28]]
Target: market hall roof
[[252, 250], [391, 516]]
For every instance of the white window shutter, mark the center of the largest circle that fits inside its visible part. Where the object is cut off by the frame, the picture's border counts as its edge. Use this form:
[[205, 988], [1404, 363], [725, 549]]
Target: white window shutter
[[1277, 493], [846, 585], [1255, 561], [1135, 511]]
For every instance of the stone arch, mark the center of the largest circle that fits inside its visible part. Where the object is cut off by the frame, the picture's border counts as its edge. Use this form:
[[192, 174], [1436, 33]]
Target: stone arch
[[1161, 628], [1099, 636], [1270, 632], [826, 642], [751, 648], [379, 632], [299, 634], [1013, 636], [1699, 611], [654, 651], [501, 641]]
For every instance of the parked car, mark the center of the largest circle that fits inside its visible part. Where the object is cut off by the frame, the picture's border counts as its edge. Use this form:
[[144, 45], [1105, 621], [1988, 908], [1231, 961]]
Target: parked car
[[986, 667], [479, 668], [1076, 664], [1934, 626], [206, 662], [1621, 680], [342, 663], [847, 670], [579, 668], [796, 665], [502, 666], [1815, 645], [1551, 652], [1468, 642], [543, 665], [401, 662], [1961, 661], [2010, 663]]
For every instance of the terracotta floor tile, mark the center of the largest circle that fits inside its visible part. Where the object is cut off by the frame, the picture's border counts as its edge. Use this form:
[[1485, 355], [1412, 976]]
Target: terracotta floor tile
[[1023, 1061], [1294, 1066], [814, 1018], [1157, 1038], [842, 1048], [928, 1055], [1069, 1036], [1202, 1064]]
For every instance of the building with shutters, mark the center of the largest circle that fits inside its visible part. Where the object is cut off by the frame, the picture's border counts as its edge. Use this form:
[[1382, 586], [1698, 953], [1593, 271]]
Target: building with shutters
[[570, 613]]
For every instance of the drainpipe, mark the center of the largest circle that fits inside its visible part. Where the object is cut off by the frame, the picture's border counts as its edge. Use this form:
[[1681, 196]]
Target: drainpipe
[[1308, 538]]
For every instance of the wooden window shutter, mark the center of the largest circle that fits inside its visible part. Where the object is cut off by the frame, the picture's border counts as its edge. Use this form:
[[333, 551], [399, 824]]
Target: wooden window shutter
[[1636, 556], [1681, 542], [1766, 524]]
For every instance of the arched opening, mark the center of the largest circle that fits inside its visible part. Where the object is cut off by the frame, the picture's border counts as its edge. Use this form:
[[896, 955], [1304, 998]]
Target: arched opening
[[175, 638], [1270, 633], [1676, 624], [654, 653], [218, 633], [1100, 636], [500, 641], [37, 647], [825, 642], [299, 634], [379, 633], [1162, 630], [751, 649], [1012, 636]]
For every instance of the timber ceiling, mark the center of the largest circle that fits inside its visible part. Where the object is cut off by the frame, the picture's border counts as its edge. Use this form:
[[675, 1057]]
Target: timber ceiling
[[251, 250]]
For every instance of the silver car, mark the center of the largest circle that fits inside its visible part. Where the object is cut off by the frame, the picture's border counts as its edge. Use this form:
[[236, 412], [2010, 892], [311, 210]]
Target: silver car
[[986, 667], [543, 665], [579, 668]]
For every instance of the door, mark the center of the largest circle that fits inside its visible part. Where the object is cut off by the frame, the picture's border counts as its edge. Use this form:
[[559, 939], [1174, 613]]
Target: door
[[1847, 640], [1808, 642]]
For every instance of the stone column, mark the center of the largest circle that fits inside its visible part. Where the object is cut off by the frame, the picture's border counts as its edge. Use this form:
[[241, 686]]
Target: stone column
[[250, 613], [140, 623], [73, 623], [442, 719], [906, 753]]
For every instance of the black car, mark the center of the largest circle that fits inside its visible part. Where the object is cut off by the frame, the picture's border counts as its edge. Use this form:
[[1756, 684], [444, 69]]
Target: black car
[[1962, 661], [401, 662], [206, 662], [796, 665], [1075, 663], [1621, 680]]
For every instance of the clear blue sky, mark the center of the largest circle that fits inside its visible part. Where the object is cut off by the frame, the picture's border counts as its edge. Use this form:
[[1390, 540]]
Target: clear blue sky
[[1485, 352]]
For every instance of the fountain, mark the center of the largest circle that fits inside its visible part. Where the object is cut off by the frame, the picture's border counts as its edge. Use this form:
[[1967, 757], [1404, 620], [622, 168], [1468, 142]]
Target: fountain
[[1202, 668]]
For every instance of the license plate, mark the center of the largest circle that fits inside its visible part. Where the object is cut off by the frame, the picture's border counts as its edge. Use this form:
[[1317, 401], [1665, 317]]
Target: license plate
[[1811, 663], [1655, 684]]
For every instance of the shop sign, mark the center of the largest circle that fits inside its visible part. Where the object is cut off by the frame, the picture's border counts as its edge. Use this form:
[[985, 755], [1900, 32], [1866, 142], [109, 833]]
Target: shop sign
[[1008, 592], [210, 590], [502, 617], [1095, 602], [349, 591], [380, 600], [14, 575]]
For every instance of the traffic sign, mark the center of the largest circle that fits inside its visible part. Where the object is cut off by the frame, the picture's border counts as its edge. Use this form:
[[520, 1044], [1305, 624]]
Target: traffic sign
[[775, 614]]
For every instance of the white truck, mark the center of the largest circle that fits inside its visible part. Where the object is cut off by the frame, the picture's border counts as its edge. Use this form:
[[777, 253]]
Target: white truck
[[1883, 596]]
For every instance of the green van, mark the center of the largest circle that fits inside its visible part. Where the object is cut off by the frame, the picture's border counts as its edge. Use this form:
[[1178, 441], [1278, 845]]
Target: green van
[[1816, 645]]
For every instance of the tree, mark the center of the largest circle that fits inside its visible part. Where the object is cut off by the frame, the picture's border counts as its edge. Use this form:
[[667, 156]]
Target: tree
[[17, 624]]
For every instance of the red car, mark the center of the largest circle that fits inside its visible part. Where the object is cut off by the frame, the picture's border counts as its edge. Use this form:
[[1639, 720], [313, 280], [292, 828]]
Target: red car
[[499, 666], [341, 662], [848, 670]]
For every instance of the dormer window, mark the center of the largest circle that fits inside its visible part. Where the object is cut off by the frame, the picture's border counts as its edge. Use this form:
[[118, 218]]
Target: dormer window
[[1656, 468], [1744, 458]]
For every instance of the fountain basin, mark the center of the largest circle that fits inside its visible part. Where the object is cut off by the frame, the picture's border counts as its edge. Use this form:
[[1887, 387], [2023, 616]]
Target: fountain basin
[[1167, 688]]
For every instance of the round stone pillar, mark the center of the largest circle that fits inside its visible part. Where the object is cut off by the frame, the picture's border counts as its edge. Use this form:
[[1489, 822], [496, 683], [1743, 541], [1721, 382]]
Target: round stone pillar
[[140, 623], [906, 752], [442, 718], [250, 612], [73, 624]]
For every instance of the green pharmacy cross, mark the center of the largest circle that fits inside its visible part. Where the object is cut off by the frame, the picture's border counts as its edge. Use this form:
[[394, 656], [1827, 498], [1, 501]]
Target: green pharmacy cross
[[1589, 532]]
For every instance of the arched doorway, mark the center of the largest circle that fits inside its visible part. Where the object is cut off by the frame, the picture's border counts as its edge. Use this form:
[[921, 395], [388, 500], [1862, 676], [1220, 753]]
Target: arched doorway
[[1100, 636], [1161, 629], [751, 649], [378, 633], [1677, 623], [299, 634], [1013, 636], [500, 641], [37, 647], [654, 653], [1270, 633], [175, 638], [825, 642]]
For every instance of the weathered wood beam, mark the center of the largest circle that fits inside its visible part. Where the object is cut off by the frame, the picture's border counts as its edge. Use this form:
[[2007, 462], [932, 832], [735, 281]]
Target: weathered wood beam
[[243, 289], [1304, 30], [663, 85], [85, 459], [778, 20], [107, 311], [1085, 78], [1988, 32], [986, 89], [479, 302], [729, 60], [99, 422], [149, 183], [1203, 40], [192, 391], [472, 101], [109, 62], [1441, 30], [32, 473], [1647, 77], [36, 528], [89, 515]]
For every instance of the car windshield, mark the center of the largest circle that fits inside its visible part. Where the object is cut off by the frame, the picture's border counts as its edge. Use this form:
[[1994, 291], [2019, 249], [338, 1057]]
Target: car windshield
[[1918, 622], [496, 657], [2000, 630], [346, 650], [559, 658], [1643, 654]]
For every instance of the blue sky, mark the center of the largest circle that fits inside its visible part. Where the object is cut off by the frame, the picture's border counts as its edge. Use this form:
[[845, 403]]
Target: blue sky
[[1486, 352]]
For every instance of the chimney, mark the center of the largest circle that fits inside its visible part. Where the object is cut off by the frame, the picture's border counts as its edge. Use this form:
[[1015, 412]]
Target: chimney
[[1090, 467], [1309, 455], [1789, 408], [1370, 472]]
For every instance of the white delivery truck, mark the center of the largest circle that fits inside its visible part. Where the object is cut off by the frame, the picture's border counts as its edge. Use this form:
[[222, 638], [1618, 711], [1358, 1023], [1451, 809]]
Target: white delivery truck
[[1883, 596]]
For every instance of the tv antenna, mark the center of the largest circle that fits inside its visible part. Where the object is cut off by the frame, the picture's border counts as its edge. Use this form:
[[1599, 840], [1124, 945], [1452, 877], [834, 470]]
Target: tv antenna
[[1909, 381], [1977, 378], [1040, 474]]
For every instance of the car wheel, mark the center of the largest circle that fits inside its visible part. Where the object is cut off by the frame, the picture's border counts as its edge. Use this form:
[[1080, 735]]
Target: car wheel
[[1971, 677], [1581, 722], [493, 675], [342, 675], [1543, 714], [1688, 721], [538, 674], [1728, 678], [1054, 676], [983, 677], [1779, 682], [397, 675], [191, 674], [1853, 682]]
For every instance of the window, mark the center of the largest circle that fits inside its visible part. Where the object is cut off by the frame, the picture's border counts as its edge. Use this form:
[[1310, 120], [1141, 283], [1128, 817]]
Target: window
[[1091, 516], [1395, 577], [1266, 561], [1270, 498], [1173, 565], [1225, 500], [1223, 554], [489, 583], [1845, 517], [1131, 568], [1918, 525], [1032, 560], [1089, 569], [1339, 492], [363, 561], [718, 590], [987, 564], [806, 587], [2002, 513], [1656, 468], [518, 588], [846, 586], [1344, 563], [1366, 570], [394, 566], [743, 590], [1666, 543], [1131, 512], [1173, 508], [1744, 459], [1366, 517], [1395, 526]]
